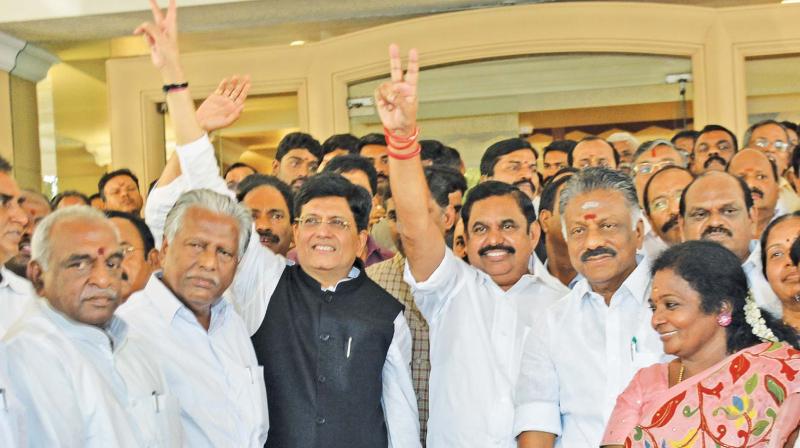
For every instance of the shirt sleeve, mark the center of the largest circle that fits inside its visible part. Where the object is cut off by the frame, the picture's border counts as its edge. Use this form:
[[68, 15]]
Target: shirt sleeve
[[398, 400], [198, 170], [536, 397], [434, 294], [627, 412]]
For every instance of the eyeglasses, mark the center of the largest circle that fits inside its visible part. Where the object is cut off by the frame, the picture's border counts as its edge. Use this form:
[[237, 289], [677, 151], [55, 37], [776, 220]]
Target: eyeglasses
[[648, 168], [314, 222], [661, 204], [780, 145]]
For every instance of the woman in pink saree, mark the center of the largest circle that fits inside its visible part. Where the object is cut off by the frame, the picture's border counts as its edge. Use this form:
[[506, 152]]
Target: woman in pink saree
[[735, 381]]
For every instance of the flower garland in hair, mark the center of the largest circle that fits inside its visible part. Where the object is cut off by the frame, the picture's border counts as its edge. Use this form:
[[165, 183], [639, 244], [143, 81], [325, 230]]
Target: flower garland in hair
[[752, 314]]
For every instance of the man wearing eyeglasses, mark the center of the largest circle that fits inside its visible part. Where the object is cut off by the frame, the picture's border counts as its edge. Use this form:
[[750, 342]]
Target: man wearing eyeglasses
[[661, 202], [772, 138], [140, 256], [335, 347], [651, 157]]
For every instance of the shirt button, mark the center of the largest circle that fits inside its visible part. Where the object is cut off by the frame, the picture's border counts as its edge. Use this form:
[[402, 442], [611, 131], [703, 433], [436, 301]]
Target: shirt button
[[324, 337], [328, 298], [320, 420], [322, 378]]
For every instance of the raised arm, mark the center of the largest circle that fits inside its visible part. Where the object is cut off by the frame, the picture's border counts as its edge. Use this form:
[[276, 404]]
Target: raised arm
[[397, 102]]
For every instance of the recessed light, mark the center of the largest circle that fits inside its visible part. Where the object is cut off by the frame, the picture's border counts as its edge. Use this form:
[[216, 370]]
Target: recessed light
[[297, 43]]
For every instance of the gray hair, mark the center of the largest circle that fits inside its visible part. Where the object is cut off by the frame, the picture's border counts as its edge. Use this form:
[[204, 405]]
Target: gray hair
[[650, 144], [41, 249], [748, 134], [215, 203], [623, 137], [596, 179]]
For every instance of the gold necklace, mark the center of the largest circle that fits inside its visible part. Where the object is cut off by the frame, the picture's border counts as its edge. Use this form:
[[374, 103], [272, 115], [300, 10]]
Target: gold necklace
[[680, 373]]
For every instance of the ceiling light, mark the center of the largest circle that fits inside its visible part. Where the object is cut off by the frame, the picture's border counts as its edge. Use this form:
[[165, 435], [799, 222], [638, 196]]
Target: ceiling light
[[297, 43]]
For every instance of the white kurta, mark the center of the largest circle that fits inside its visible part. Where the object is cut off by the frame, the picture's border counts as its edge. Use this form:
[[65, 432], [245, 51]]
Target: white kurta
[[477, 332], [580, 356], [83, 386], [12, 422], [214, 373]]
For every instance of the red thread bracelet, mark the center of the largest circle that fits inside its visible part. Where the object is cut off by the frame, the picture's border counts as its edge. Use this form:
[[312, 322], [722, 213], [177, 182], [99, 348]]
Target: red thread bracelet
[[410, 155], [394, 145], [401, 139]]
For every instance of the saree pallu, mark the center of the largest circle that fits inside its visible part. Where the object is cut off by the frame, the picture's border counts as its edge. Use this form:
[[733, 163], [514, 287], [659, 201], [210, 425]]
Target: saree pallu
[[750, 399]]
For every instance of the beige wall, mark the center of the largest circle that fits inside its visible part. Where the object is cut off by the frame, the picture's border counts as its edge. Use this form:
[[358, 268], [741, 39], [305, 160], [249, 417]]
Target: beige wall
[[716, 40]]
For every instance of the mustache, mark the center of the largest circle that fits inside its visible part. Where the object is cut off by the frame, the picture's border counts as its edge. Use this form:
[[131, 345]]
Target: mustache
[[758, 191], [672, 222], [712, 229], [484, 250], [714, 158], [525, 181], [267, 235], [93, 292], [597, 252]]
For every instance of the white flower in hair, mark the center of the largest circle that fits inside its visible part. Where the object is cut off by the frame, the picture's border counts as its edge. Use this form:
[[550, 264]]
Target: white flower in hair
[[752, 314]]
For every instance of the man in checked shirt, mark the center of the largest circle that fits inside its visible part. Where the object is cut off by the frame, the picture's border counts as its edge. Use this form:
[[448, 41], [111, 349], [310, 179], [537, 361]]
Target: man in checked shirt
[[443, 182]]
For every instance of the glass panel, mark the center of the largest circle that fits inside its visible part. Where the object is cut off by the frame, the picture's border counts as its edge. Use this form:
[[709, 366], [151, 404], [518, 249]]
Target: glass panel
[[254, 138], [473, 104], [772, 88]]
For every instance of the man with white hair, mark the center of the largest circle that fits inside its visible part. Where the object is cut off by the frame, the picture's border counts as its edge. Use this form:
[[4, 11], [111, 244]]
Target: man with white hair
[[81, 379], [625, 144], [200, 340], [602, 326]]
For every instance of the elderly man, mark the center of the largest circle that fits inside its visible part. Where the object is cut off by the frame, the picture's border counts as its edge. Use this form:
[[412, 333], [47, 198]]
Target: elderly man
[[120, 191], [719, 207], [593, 151], [773, 139], [625, 144], [36, 207], [761, 176], [140, 256], [82, 379], [442, 182], [356, 390], [479, 314], [662, 196], [714, 147], [512, 161], [602, 326], [270, 202]]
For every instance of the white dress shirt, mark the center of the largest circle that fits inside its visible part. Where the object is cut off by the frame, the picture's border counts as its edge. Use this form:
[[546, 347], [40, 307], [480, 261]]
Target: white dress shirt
[[759, 286], [540, 270], [653, 245], [477, 332], [83, 386], [213, 373], [12, 426], [581, 355], [257, 277], [16, 297]]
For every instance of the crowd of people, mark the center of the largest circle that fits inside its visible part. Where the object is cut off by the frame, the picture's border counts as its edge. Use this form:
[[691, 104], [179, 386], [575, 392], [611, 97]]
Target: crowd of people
[[361, 295]]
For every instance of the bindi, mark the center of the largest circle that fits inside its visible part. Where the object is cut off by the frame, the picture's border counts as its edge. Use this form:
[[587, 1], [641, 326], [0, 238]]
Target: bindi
[[101, 251]]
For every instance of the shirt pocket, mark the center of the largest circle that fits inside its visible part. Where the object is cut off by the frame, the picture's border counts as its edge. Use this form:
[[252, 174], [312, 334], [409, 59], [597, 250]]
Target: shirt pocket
[[158, 418]]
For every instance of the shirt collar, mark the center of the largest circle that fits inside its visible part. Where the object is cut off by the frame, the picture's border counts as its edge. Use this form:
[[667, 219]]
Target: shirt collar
[[636, 285], [753, 260], [354, 272], [169, 306], [16, 283], [112, 335], [539, 269]]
